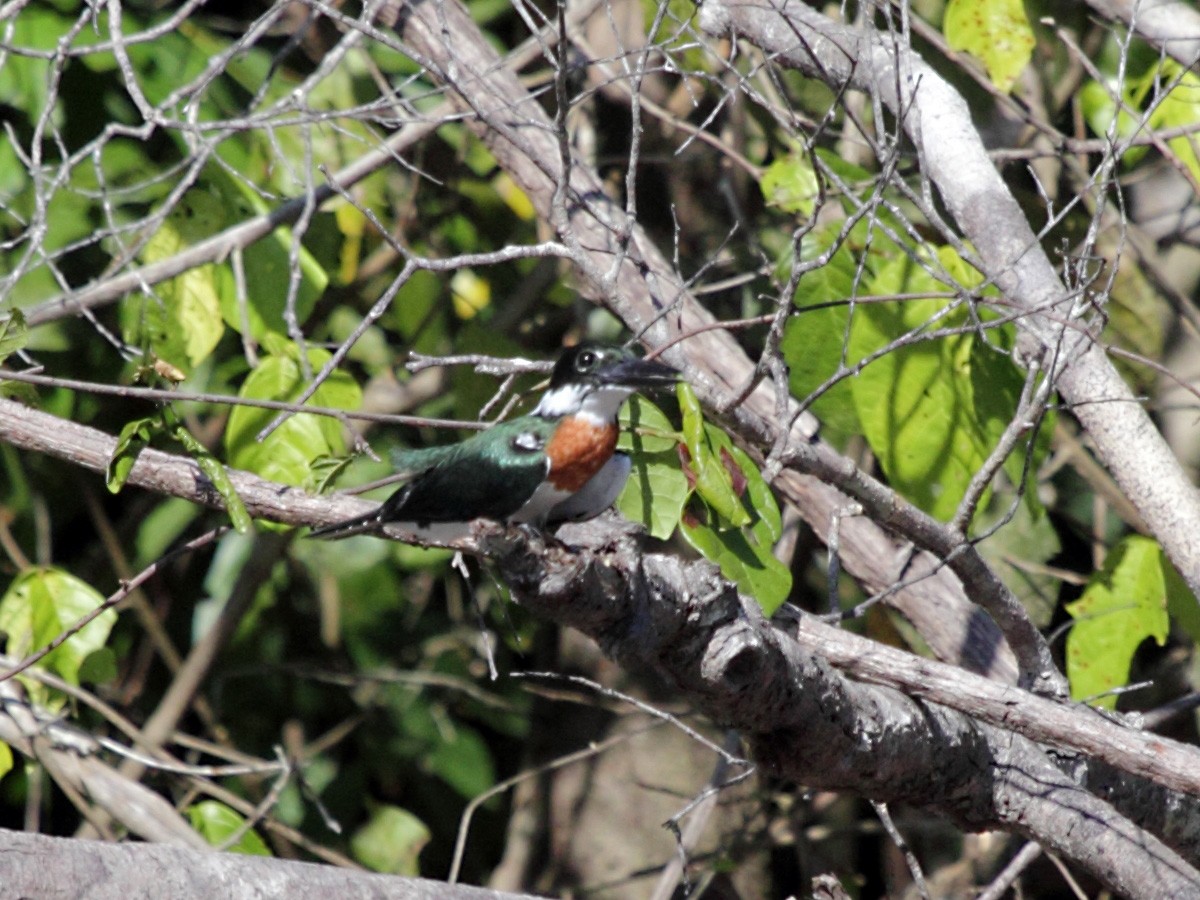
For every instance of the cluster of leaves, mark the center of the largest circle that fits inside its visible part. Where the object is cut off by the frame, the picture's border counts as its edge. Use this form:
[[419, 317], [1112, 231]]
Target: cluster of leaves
[[696, 480]]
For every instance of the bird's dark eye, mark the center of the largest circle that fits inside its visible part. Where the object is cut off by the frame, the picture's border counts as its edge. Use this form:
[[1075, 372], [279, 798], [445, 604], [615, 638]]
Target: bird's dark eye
[[586, 361]]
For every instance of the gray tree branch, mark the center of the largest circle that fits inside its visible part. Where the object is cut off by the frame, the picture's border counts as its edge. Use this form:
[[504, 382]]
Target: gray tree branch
[[34, 865], [1169, 24]]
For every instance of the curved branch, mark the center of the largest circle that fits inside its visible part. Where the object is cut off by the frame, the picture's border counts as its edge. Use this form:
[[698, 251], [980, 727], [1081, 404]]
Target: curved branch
[[1175, 27], [812, 724], [34, 865]]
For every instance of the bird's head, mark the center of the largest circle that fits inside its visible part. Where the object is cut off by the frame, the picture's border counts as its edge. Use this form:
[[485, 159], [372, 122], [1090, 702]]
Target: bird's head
[[595, 379]]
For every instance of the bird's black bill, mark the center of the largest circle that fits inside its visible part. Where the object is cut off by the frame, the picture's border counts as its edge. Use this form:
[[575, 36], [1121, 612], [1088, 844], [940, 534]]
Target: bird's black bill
[[639, 373]]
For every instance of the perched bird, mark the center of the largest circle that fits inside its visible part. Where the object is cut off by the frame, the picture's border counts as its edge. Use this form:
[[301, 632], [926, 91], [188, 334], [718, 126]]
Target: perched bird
[[558, 463]]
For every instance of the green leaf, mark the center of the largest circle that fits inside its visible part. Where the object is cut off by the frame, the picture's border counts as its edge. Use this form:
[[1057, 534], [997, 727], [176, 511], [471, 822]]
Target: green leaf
[[791, 184], [914, 405], [98, 667], [713, 481], [1123, 604], [1018, 552], [162, 526], [6, 759], [657, 489], [655, 493], [1180, 108], [290, 453], [758, 493], [812, 348], [994, 31], [13, 334], [217, 474], [217, 823], [814, 340], [181, 323], [722, 474], [748, 562], [995, 389], [1181, 602], [932, 410], [268, 275], [1099, 107], [391, 841], [461, 759], [645, 428], [1137, 318], [40, 605], [133, 439]]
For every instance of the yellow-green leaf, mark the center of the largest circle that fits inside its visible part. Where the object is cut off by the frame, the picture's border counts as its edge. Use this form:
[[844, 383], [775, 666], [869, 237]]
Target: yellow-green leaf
[[1124, 604], [391, 841], [1178, 109], [791, 184], [181, 322], [291, 452], [40, 605], [996, 32], [217, 823]]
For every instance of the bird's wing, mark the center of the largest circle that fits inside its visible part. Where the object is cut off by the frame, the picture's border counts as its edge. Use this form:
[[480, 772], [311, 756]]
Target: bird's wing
[[490, 475]]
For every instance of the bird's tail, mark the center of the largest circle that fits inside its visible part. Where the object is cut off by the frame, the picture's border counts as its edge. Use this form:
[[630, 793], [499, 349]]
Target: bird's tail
[[369, 523]]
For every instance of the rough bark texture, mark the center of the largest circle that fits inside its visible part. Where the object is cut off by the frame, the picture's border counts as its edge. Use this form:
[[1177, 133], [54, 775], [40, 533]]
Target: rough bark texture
[[48, 868], [812, 724]]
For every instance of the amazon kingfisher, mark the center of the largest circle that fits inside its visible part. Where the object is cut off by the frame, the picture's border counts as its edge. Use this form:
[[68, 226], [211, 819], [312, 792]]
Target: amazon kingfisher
[[557, 464]]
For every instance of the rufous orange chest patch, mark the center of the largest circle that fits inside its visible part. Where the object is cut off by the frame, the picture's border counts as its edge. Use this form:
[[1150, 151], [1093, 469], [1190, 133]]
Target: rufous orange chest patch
[[578, 450]]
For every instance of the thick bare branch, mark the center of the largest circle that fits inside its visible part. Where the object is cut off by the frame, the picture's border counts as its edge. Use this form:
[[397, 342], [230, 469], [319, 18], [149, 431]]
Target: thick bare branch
[[33, 865], [1171, 25], [820, 728]]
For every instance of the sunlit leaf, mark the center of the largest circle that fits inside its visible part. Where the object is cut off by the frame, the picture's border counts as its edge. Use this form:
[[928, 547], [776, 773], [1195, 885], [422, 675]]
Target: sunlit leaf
[[994, 31], [181, 321], [1180, 108], [1123, 604], [654, 494], [217, 823], [471, 294], [703, 442], [645, 428], [791, 184], [748, 562], [391, 841], [289, 453], [40, 605]]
